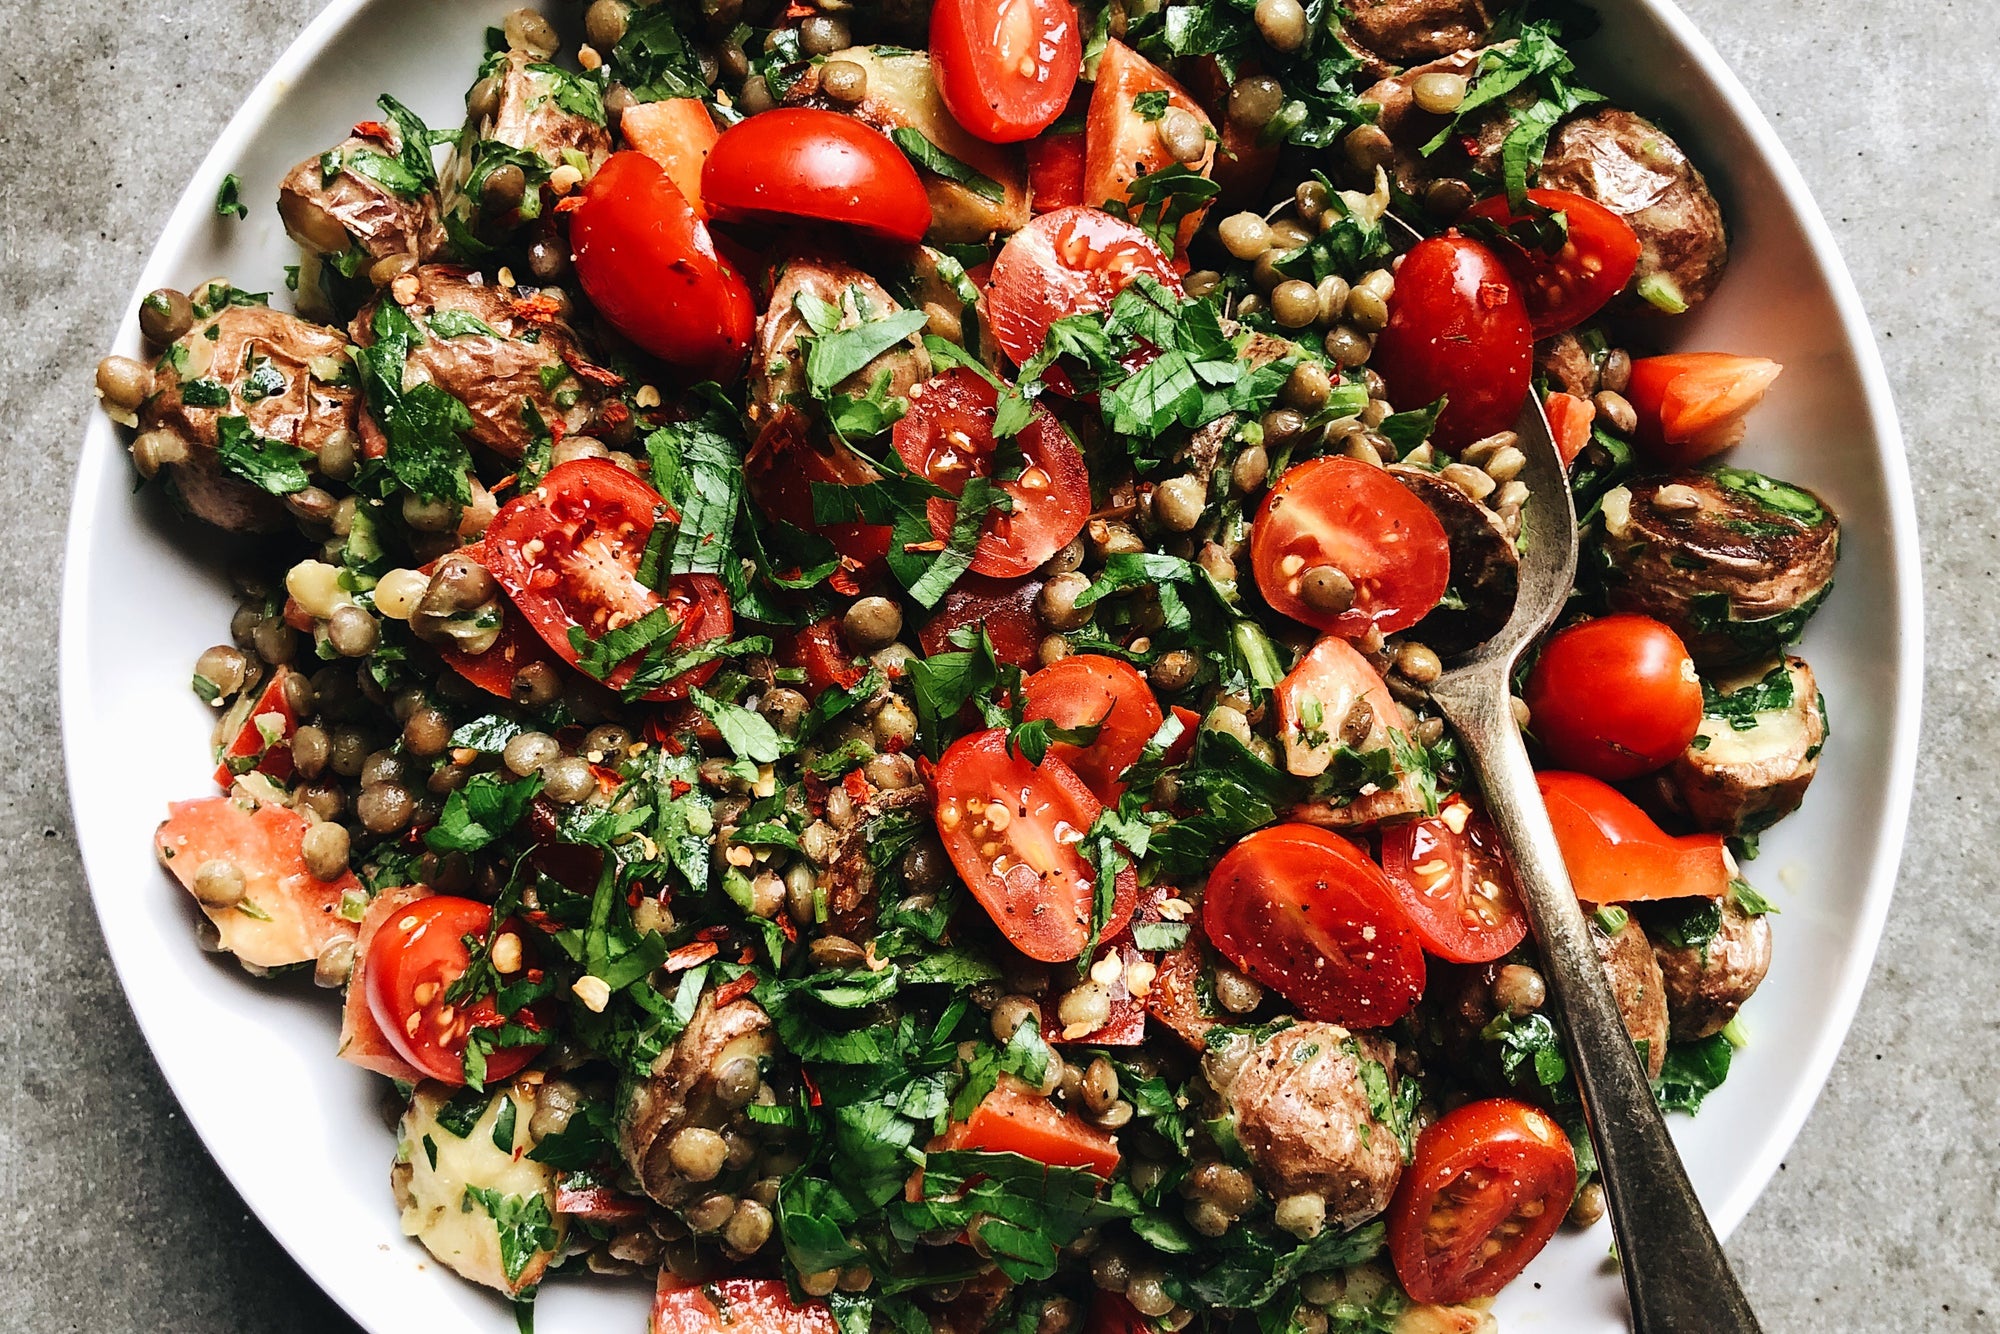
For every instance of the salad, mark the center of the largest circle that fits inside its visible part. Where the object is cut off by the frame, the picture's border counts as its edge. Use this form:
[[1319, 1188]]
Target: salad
[[836, 611]]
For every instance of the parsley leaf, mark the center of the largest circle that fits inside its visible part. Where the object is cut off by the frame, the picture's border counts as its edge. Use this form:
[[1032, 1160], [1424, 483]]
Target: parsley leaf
[[923, 153], [749, 735], [229, 198], [480, 812], [269, 465], [424, 425], [525, 1225], [1692, 1071]]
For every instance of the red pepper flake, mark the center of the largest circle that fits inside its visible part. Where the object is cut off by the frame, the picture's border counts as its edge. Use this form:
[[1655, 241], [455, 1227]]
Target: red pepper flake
[[746, 955], [729, 992], [541, 308], [557, 430], [569, 203], [711, 933], [843, 582], [785, 925], [926, 769], [690, 954], [535, 975], [374, 129], [812, 1087], [633, 896], [680, 787], [598, 375], [856, 785], [614, 413], [935, 544]]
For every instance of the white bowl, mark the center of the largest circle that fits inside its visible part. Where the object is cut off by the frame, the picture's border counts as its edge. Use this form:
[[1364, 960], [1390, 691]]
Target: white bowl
[[301, 1134]]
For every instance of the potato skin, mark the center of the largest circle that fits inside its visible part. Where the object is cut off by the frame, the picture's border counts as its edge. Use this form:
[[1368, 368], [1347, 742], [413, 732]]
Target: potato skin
[[1740, 782], [1410, 32], [778, 359], [1635, 169], [1634, 973], [681, 1092], [1712, 555], [1303, 1116], [1707, 984], [368, 214], [1485, 564]]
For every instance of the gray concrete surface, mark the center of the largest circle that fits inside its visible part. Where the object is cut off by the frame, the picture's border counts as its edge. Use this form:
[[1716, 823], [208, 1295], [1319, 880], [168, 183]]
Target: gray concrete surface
[[112, 1218]]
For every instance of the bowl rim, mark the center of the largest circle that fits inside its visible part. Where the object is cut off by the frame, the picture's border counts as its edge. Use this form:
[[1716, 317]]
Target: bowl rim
[[1838, 1006]]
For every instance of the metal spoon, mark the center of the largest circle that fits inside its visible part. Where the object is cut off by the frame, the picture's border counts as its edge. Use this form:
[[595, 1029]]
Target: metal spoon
[[1675, 1273]]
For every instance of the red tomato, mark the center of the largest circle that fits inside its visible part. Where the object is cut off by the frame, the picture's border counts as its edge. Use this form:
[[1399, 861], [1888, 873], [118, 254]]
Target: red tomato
[[1055, 171], [1616, 854], [1593, 265], [1458, 329], [1451, 874], [412, 962], [1363, 522], [1005, 68], [568, 554], [1013, 1118], [1692, 404], [1112, 1314], [1569, 423], [646, 260], [1307, 914], [1120, 144], [677, 133], [947, 436], [781, 469], [1064, 263], [1011, 829], [1177, 1001], [1005, 607], [1489, 1185], [818, 650], [734, 1306], [362, 1040], [801, 162], [1615, 697], [264, 742], [1086, 689]]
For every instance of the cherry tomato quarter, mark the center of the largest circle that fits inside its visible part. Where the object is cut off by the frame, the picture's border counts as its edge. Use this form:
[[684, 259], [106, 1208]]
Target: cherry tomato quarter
[[1090, 690], [1489, 1185], [1055, 171], [677, 133], [734, 1306], [1616, 854], [1586, 261], [1692, 405], [1121, 144], [1068, 262], [568, 553], [1014, 1118], [647, 262], [1371, 530], [1615, 697], [1005, 68], [1457, 329], [1011, 829], [413, 960], [801, 162], [1452, 877], [1307, 914], [947, 436]]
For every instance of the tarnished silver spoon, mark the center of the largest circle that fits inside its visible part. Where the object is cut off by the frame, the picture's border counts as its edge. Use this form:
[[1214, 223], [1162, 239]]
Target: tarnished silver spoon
[[1676, 1276]]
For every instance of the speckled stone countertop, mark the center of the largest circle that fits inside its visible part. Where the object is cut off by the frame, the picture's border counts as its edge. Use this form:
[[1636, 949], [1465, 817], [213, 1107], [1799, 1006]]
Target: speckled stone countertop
[[1884, 1216]]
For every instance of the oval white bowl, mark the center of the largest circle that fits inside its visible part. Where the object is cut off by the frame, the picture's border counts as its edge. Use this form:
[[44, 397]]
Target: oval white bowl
[[302, 1135]]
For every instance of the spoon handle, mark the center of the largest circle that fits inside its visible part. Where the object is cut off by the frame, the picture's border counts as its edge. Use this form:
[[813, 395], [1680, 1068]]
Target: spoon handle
[[1675, 1273]]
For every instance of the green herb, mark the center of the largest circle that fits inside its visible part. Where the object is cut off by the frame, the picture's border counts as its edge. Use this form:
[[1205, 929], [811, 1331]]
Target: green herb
[[1692, 1071], [271, 466], [1748, 899], [1407, 430], [459, 324], [749, 735], [1159, 937], [1538, 61], [524, 1223], [1773, 495], [1152, 105], [572, 92], [1157, 201], [655, 61], [1252, 1268], [424, 425], [229, 198], [927, 155], [480, 812], [1772, 693], [1530, 1050], [461, 1113], [1690, 924], [1611, 918], [503, 1125], [833, 356], [415, 139], [204, 394], [488, 734]]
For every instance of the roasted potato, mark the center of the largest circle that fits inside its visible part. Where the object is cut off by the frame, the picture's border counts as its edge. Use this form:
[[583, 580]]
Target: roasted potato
[[1734, 561], [778, 358], [692, 1087], [1410, 32], [1756, 752], [1712, 958], [1636, 985]]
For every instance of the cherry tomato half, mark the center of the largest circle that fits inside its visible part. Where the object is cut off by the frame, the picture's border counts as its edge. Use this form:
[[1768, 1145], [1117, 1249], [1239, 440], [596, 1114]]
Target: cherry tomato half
[[1615, 697], [1005, 68], [1307, 914], [1005, 607], [947, 436], [1457, 329], [1594, 257], [1616, 854], [648, 264], [1121, 144], [1692, 405], [1014, 1118], [1451, 875], [734, 1306], [801, 162], [1371, 528], [415, 957], [1089, 689], [568, 553], [1490, 1184], [1011, 828], [787, 458], [1064, 263]]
